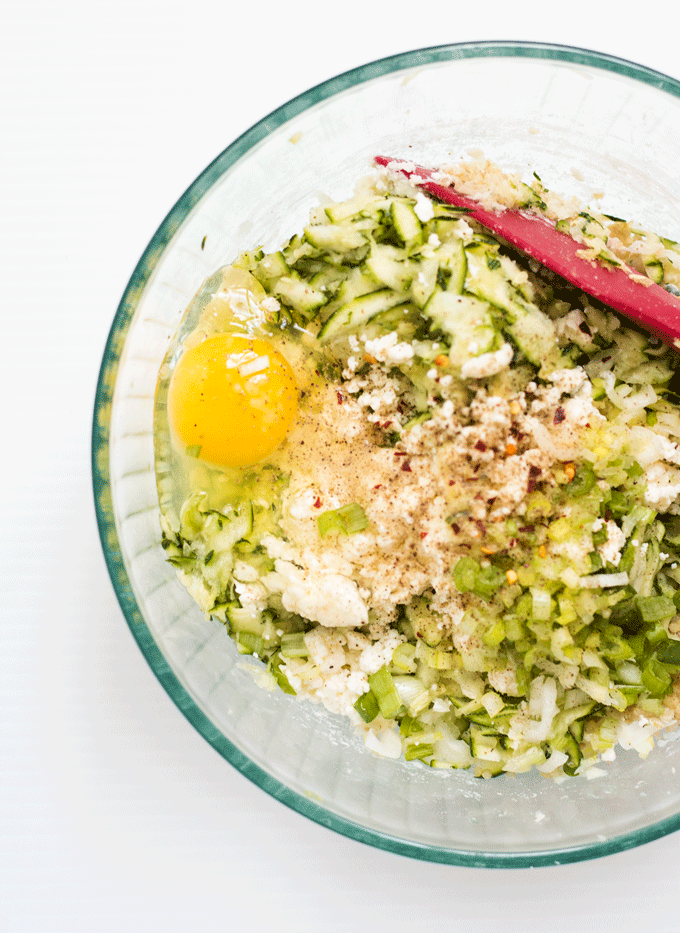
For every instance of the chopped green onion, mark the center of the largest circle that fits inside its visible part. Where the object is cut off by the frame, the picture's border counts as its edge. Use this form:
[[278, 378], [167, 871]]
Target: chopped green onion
[[489, 580], [442, 660], [281, 679], [404, 657], [465, 574], [668, 652], [293, 645], [615, 647], [656, 608], [657, 634], [495, 635], [328, 522], [571, 747], [367, 707], [656, 678], [415, 752], [541, 604], [618, 506], [419, 419], [247, 643], [560, 530], [485, 582], [382, 686], [409, 726], [600, 536], [583, 480], [347, 520], [353, 518]]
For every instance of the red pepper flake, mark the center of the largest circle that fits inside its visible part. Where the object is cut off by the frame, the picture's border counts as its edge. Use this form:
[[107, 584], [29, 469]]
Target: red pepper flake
[[481, 526], [534, 473], [559, 415], [406, 467], [379, 486], [480, 445], [455, 528], [317, 503], [386, 424], [400, 453], [340, 398], [451, 482], [423, 534]]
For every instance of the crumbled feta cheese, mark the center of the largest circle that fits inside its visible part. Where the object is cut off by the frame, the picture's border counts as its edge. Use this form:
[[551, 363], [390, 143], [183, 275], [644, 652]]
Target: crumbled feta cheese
[[270, 304], [568, 380], [663, 486], [423, 209], [610, 551], [251, 595], [326, 648], [327, 598], [379, 654], [488, 364], [387, 349]]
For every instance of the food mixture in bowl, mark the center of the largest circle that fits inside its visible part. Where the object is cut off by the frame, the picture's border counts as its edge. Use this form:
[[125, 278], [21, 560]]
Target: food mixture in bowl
[[428, 484]]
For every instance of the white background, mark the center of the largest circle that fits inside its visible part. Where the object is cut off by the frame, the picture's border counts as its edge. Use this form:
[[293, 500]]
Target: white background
[[114, 813]]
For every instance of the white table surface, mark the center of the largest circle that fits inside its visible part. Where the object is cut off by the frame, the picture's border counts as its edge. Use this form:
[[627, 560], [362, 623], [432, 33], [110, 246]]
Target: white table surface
[[114, 813]]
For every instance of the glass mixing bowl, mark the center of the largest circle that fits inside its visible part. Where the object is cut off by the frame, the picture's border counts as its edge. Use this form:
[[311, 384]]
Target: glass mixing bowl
[[586, 123]]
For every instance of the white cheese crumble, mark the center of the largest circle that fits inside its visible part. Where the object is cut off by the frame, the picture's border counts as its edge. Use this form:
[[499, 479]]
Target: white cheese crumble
[[330, 599], [488, 364], [663, 487], [610, 551], [424, 208], [388, 349]]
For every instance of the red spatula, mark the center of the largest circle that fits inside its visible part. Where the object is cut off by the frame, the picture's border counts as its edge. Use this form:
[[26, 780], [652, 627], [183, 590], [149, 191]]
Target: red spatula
[[647, 304]]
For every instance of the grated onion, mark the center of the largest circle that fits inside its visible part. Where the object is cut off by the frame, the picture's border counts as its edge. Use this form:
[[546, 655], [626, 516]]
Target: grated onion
[[602, 580]]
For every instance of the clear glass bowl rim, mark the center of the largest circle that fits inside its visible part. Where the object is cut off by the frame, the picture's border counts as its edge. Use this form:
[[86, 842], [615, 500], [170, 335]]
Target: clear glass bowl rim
[[100, 444]]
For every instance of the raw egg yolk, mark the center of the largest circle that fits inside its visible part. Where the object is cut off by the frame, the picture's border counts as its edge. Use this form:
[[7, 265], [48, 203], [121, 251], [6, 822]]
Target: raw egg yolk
[[232, 400]]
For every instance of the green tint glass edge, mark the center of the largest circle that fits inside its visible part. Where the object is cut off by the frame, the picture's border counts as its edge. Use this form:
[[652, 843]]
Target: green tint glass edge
[[100, 450]]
